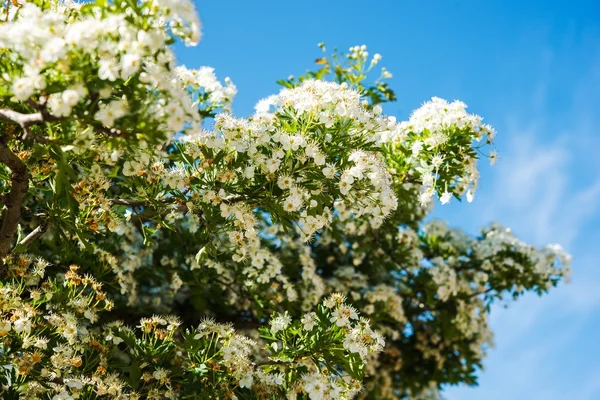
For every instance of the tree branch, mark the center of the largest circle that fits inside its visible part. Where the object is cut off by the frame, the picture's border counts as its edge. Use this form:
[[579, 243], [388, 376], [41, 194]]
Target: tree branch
[[140, 203], [24, 120], [280, 362], [14, 199], [36, 233], [27, 120], [233, 199], [475, 294], [273, 362], [169, 200], [36, 138]]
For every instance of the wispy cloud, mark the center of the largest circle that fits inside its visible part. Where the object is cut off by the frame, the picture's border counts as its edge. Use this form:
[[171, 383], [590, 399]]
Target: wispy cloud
[[537, 192], [545, 188], [536, 189]]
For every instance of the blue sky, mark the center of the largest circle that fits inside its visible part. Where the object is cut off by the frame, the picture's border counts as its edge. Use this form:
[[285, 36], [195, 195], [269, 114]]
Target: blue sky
[[532, 69]]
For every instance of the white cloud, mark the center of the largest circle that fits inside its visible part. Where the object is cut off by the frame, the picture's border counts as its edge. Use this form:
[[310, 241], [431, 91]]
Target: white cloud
[[543, 189]]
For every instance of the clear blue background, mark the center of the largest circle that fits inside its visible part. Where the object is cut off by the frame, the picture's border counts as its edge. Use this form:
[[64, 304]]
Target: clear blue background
[[532, 69]]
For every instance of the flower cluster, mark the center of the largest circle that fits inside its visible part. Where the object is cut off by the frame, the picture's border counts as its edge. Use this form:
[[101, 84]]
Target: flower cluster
[[203, 86], [334, 324], [436, 144], [298, 148], [126, 54]]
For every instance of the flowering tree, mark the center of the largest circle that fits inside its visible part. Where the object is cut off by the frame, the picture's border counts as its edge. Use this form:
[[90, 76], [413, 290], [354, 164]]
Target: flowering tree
[[282, 255]]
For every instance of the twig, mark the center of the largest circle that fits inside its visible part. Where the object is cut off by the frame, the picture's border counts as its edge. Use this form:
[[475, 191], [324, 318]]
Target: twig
[[475, 294], [139, 203], [273, 362], [230, 286], [128, 202], [279, 362], [28, 135], [233, 199], [36, 233]]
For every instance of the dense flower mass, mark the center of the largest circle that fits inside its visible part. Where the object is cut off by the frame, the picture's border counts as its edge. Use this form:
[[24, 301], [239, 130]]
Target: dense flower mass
[[154, 246], [437, 141]]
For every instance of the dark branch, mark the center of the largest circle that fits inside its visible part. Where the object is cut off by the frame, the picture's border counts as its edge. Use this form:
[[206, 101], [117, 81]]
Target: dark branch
[[233, 199], [140, 203], [14, 199], [128, 202], [28, 135], [273, 362], [482, 292], [168, 200], [230, 286]]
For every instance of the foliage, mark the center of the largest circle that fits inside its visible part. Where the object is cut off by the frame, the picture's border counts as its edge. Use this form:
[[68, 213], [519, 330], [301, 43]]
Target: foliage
[[280, 255]]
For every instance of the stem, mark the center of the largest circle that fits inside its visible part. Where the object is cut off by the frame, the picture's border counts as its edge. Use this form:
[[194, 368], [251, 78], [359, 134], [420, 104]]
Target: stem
[[36, 233], [273, 362]]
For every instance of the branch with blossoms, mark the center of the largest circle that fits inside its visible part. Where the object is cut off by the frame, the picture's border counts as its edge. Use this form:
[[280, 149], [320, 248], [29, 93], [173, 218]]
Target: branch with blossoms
[[124, 208]]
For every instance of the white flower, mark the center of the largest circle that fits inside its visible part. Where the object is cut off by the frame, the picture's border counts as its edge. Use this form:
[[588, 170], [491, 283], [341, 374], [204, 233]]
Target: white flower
[[246, 381], [160, 374], [470, 195], [71, 97], [493, 157], [108, 113], [5, 325], [315, 387], [329, 302], [249, 172], [437, 161], [280, 322], [108, 70], [91, 315], [328, 171], [130, 64], [417, 147], [445, 198], [58, 107], [131, 168], [22, 325], [23, 88], [115, 339], [309, 321], [74, 383], [319, 158], [63, 396], [343, 315], [284, 182], [54, 50]]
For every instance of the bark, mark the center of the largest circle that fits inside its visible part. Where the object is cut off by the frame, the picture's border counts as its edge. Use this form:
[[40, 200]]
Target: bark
[[13, 203]]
